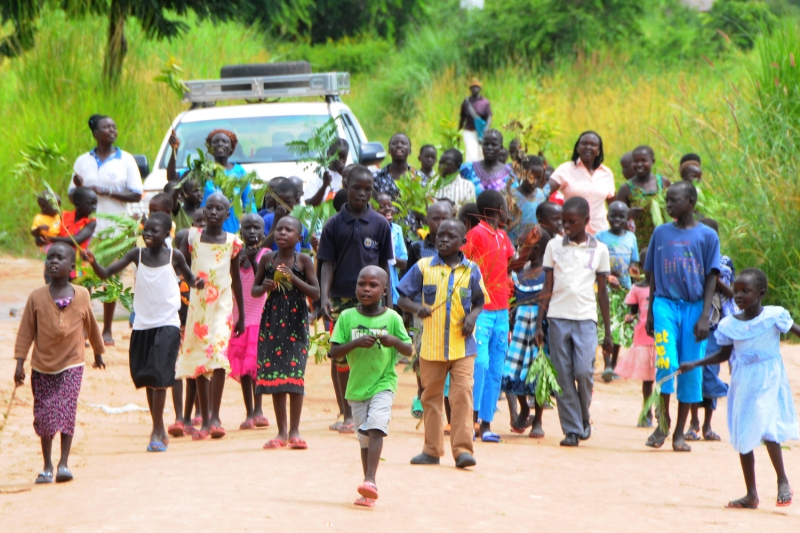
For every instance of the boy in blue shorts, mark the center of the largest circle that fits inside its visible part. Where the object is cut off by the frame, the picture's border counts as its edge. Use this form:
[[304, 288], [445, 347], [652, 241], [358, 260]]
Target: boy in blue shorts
[[683, 260]]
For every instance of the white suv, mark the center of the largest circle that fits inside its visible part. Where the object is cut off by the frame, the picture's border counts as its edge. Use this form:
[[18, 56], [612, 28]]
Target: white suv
[[264, 128]]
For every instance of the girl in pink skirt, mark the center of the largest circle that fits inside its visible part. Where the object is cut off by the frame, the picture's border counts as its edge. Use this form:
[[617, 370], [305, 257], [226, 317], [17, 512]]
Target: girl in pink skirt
[[243, 350], [639, 361]]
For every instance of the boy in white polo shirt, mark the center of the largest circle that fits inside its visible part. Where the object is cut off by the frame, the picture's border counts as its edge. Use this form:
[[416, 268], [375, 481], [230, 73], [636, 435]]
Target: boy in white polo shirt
[[572, 265]]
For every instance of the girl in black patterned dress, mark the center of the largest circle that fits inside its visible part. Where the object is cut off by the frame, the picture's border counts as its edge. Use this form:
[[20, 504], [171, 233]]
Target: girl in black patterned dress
[[283, 336]]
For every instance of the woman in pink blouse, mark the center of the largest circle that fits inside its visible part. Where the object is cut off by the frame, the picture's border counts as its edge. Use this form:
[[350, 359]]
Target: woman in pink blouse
[[586, 176]]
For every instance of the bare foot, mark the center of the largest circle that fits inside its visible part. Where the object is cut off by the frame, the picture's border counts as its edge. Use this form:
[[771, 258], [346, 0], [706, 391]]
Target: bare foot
[[679, 444]]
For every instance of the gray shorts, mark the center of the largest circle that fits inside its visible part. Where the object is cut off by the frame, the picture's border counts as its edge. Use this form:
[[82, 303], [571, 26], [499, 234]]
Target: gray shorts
[[374, 413]]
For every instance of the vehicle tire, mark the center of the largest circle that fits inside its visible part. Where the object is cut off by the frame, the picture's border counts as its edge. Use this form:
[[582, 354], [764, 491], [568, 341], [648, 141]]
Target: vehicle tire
[[265, 69]]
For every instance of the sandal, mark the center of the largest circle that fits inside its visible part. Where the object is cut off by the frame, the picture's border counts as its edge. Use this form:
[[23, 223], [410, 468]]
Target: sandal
[[260, 421], [216, 432], [63, 475], [44, 477], [197, 421], [691, 435], [296, 443], [365, 502], [710, 435], [248, 424], [784, 500], [347, 428], [156, 446], [336, 425], [274, 444], [656, 440], [416, 408], [368, 489], [200, 434], [177, 429], [741, 504], [517, 430], [488, 436]]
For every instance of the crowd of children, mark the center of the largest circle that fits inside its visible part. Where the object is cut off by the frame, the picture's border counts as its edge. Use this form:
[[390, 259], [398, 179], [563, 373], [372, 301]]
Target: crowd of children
[[495, 274]]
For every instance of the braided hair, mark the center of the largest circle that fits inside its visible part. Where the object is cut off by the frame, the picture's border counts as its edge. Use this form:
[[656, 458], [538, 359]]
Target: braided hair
[[230, 134], [597, 160]]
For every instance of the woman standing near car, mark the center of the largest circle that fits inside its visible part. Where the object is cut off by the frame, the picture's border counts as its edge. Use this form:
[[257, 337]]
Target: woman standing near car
[[113, 175], [476, 117]]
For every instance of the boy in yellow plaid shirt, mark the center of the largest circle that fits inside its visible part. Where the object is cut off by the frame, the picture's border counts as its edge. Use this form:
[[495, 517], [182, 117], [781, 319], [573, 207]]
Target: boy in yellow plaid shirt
[[453, 295]]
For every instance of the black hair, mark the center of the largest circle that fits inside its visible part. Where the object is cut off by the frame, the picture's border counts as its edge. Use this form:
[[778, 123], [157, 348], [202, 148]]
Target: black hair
[[70, 250], [163, 220], [758, 275], [188, 182], [404, 135], [600, 156], [297, 223], [339, 145], [164, 200], [576, 204], [645, 148], [459, 224], [690, 157], [469, 214], [425, 147], [691, 190], [710, 222], [532, 161], [81, 194], [542, 208], [359, 171], [490, 203], [94, 121], [456, 154], [339, 199], [494, 132], [286, 187]]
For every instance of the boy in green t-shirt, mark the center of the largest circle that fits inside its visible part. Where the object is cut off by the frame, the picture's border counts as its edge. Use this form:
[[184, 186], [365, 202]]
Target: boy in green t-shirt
[[369, 336]]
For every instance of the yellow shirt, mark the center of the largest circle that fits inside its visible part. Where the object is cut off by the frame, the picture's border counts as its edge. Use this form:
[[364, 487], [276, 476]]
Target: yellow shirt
[[449, 294], [53, 223]]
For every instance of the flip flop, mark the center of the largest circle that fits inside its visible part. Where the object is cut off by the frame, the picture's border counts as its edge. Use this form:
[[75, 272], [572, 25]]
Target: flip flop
[[365, 502], [608, 375], [216, 432], [248, 424], [517, 430], [740, 504], [177, 429], [656, 442], [336, 425], [63, 475], [296, 443], [197, 421], [109, 342], [156, 446], [260, 421], [347, 428], [44, 478], [681, 447], [200, 434], [274, 444], [488, 436], [784, 500], [368, 489], [691, 435], [710, 435]]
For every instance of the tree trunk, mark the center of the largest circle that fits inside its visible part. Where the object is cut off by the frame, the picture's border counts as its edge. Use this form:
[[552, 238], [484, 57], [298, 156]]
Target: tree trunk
[[117, 45]]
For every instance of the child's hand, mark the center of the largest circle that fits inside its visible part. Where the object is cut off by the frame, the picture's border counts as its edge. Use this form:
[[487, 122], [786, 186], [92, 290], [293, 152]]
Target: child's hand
[[389, 341], [367, 341], [238, 329], [199, 283], [98, 362], [469, 324], [687, 367], [283, 269], [613, 282], [19, 373], [533, 236], [634, 271], [268, 285], [42, 228], [251, 252], [608, 345], [324, 307], [415, 364], [538, 337], [629, 319], [326, 179], [77, 180], [86, 255], [701, 329], [173, 141], [424, 311]]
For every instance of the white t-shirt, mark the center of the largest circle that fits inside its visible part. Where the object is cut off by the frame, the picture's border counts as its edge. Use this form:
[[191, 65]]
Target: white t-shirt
[[575, 268], [315, 182], [118, 173]]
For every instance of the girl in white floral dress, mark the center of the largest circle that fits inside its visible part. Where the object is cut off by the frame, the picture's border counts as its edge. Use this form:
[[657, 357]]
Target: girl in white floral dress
[[204, 354]]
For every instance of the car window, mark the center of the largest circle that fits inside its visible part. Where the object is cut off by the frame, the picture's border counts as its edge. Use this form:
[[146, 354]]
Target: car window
[[352, 137], [260, 139]]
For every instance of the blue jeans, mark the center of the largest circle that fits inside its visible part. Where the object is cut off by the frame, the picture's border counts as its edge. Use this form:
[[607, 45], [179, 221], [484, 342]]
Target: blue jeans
[[491, 335], [675, 344]]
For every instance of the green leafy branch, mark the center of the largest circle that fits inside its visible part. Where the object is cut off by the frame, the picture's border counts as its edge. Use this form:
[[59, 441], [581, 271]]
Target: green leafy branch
[[318, 347], [39, 160], [544, 376], [170, 76], [203, 169], [315, 150]]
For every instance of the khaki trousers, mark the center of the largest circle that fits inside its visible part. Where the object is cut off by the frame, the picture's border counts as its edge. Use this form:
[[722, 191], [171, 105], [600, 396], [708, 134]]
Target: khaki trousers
[[433, 375]]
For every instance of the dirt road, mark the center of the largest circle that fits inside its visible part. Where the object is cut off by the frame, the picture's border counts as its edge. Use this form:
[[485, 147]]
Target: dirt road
[[610, 483]]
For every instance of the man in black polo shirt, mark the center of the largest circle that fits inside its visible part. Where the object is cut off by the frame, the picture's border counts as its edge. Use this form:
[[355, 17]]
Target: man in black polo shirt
[[354, 238]]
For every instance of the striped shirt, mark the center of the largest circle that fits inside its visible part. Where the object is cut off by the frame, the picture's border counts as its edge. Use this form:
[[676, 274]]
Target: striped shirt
[[459, 191], [450, 293]]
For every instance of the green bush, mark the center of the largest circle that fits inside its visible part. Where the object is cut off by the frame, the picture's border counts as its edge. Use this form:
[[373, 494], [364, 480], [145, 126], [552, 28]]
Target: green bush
[[741, 20], [356, 55]]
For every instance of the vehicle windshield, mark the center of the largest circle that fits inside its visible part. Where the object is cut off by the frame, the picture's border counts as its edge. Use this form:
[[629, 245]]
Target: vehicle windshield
[[261, 139]]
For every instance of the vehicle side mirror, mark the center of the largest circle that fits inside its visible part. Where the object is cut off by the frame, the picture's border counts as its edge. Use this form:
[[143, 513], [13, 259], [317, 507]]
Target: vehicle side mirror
[[371, 154], [144, 166]]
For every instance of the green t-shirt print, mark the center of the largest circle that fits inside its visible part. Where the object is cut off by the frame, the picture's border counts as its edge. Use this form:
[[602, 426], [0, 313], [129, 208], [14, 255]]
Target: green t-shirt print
[[371, 369]]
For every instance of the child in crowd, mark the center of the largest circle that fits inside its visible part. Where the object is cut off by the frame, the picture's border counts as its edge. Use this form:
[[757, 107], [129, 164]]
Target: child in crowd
[[78, 225], [46, 223], [370, 335], [156, 336], [549, 216], [469, 215], [489, 247], [691, 171], [626, 164], [623, 252], [533, 190], [639, 361], [528, 285], [447, 346], [640, 191], [243, 350], [400, 260], [451, 185], [573, 265], [289, 197], [683, 259], [760, 404], [436, 213], [299, 185], [691, 157], [427, 158], [722, 305], [333, 177], [212, 254], [283, 331], [268, 203], [354, 238], [187, 200], [54, 319]]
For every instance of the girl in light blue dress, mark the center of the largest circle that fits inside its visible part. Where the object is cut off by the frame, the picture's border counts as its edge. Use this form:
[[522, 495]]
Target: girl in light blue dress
[[760, 406]]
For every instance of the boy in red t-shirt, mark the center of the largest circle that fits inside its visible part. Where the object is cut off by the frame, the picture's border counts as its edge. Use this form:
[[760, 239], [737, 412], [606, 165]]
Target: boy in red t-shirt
[[489, 247]]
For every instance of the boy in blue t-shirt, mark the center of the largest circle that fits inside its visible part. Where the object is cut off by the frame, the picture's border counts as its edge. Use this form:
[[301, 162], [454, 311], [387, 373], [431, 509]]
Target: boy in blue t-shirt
[[624, 255], [683, 259]]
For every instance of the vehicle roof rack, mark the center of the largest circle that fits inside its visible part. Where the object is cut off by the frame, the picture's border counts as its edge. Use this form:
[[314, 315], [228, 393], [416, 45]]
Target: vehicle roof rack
[[262, 87]]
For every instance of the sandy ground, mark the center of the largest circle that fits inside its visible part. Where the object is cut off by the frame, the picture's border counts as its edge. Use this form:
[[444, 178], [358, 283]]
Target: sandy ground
[[610, 483]]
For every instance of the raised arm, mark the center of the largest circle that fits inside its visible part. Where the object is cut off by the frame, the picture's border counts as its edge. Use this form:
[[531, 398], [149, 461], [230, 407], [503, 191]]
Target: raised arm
[[182, 267], [118, 266]]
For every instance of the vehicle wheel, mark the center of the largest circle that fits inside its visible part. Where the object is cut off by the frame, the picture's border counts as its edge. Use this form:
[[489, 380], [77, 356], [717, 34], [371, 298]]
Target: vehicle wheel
[[265, 69]]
